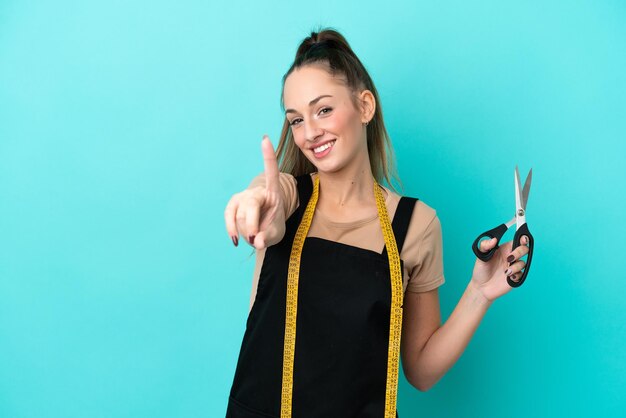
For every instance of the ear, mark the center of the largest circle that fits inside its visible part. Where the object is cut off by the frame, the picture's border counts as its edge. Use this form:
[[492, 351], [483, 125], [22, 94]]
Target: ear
[[368, 105]]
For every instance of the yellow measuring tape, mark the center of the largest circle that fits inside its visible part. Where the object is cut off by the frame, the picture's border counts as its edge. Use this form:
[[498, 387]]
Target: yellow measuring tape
[[395, 325]]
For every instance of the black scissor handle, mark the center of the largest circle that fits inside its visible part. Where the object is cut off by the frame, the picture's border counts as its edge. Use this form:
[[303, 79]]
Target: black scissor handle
[[523, 230], [497, 233]]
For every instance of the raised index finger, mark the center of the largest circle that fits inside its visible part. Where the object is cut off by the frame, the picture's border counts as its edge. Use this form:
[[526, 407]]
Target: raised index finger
[[271, 165]]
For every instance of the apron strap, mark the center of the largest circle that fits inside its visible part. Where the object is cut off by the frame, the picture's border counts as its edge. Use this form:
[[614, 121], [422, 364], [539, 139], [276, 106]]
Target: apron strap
[[304, 184], [401, 219]]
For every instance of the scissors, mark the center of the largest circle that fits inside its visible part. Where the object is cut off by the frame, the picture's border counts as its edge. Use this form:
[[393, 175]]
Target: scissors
[[521, 197]]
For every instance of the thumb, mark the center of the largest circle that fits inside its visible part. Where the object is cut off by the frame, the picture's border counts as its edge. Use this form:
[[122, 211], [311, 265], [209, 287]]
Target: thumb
[[270, 164], [488, 244]]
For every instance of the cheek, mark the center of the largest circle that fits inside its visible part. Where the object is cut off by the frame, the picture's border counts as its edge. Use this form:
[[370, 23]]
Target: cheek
[[347, 122], [298, 137], [338, 122]]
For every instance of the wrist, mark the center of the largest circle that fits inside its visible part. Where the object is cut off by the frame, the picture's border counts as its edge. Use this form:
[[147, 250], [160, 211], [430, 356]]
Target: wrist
[[477, 294]]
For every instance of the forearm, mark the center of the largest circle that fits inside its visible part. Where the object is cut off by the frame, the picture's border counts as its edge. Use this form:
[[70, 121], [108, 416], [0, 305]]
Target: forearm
[[447, 344]]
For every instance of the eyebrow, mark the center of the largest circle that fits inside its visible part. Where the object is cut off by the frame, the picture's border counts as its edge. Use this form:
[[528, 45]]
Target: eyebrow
[[311, 103]]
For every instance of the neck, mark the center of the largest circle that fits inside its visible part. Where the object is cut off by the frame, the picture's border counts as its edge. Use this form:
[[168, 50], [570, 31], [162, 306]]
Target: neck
[[351, 187]]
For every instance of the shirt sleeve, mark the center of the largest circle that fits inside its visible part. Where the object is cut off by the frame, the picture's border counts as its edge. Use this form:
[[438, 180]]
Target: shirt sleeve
[[427, 273], [288, 188]]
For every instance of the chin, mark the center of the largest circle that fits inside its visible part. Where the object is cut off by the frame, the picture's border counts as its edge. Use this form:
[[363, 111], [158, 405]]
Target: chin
[[328, 168]]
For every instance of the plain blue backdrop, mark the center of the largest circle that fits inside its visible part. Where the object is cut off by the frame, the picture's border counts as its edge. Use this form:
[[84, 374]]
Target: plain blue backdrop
[[126, 126]]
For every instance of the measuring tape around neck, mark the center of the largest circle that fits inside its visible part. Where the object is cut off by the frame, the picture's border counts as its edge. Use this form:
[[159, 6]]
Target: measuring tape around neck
[[395, 323]]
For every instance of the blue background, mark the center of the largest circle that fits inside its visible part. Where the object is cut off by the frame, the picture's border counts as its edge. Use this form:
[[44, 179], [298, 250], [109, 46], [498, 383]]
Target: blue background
[[126, 126]]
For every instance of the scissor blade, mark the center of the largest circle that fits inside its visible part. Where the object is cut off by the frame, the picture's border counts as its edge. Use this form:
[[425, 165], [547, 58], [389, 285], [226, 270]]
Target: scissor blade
[[526, 188], [518, 188]]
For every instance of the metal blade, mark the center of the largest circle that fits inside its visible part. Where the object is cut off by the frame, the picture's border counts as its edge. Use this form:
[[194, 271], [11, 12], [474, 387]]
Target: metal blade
[[526, 188], [520, 202], [518, 188]]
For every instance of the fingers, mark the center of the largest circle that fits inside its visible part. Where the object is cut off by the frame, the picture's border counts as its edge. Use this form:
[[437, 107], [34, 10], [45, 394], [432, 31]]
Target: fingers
[[520, 251], [245, 210], [248, 214], [242, 215], [270, 164], [514, 271], [268, 217], [229, 218], [260, 241], [252, 221], [487, 244], [515, 268], [515, 276]]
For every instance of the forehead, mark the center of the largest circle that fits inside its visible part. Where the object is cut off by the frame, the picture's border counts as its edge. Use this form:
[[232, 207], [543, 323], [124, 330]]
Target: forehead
[[307, 83]]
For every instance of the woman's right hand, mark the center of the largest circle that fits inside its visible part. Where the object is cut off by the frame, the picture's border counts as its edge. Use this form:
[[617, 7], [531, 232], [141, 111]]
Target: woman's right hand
[[257, 213]]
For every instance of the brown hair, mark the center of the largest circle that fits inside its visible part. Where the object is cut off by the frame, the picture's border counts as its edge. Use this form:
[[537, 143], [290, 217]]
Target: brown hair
[[330, 49]]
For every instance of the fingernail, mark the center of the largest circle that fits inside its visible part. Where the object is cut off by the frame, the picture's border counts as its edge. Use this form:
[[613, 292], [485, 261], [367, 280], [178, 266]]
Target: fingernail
[[251, 239], [507, 271], [235, 240], [510, 258]]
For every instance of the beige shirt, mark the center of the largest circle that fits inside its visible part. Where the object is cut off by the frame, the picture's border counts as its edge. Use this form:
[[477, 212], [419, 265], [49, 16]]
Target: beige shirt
[[422, 253]]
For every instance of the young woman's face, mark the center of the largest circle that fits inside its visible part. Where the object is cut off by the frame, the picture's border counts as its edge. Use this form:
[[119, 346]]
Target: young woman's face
[[325, 125]]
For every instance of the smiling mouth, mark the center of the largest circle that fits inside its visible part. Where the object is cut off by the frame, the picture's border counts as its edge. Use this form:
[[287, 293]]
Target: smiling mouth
[[324, 147]]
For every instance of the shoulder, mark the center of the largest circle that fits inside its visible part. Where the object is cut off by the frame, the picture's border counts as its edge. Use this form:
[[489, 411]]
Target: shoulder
[[423, 220], [423, 227], [422, 215], [423, 249]]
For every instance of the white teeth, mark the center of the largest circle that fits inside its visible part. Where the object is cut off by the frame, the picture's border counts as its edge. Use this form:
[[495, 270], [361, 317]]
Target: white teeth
[[323, 147]]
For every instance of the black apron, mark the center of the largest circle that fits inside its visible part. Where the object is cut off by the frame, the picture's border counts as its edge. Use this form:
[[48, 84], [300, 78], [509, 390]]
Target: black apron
[[342, 327]]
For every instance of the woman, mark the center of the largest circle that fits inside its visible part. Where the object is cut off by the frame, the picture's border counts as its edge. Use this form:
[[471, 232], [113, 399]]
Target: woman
[[347, 270]]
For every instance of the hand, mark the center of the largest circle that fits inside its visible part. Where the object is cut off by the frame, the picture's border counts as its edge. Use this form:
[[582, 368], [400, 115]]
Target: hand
[[257, 213], [489, 276]]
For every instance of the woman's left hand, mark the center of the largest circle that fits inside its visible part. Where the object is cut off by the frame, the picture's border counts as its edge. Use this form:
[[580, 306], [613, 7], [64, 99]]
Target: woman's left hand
[[489, 277]]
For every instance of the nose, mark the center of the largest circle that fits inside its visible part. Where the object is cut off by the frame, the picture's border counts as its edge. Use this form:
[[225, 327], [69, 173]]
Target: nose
[[312, 130]]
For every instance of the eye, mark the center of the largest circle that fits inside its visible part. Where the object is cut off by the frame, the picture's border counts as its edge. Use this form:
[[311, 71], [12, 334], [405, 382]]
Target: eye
[[322, 111]]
